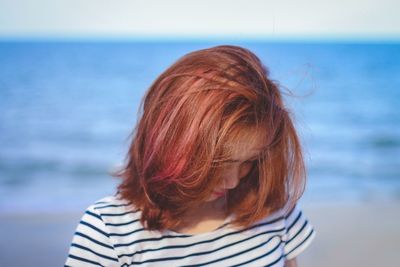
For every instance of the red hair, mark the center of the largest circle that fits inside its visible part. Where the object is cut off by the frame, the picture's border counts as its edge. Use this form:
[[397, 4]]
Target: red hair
[[193, 116]]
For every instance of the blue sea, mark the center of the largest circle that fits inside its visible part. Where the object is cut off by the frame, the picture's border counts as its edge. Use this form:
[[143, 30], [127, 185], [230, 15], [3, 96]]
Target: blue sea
[[67, 109]]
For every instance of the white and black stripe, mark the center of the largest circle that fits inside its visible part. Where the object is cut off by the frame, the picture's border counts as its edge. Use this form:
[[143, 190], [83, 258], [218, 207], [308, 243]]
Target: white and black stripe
[[111, 234]]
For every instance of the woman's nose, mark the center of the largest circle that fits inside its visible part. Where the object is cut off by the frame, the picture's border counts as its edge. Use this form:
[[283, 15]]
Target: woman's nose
[[231, 183], [232, 178]]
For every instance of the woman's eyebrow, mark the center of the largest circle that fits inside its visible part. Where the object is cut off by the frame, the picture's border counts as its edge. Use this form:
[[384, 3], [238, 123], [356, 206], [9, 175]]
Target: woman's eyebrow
[[249, 159]]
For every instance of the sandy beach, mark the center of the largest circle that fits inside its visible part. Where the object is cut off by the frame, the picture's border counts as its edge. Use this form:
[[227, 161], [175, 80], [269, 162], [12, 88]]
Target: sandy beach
[[355, 234]]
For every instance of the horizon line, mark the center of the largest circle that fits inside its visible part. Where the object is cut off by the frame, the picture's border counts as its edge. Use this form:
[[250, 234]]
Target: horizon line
[[203, 38]]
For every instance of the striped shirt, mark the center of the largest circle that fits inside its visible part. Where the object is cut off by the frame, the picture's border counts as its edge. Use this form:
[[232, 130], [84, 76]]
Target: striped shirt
[[110, 234]]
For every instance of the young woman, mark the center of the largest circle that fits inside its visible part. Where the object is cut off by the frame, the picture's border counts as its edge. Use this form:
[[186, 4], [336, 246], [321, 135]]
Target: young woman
[[212, 176]]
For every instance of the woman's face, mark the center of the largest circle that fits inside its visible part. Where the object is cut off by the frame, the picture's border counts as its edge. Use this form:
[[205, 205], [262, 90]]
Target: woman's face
[[235, 169]]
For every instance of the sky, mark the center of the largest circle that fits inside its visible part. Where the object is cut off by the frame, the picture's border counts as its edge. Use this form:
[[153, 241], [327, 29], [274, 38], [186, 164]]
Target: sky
[[259, 19]]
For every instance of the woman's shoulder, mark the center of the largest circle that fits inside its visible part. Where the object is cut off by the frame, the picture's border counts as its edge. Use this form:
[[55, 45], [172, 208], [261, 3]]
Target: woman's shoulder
[[299, 232], [279, 220], [276, 217], [102, 226], [111, 201], [113, 208]]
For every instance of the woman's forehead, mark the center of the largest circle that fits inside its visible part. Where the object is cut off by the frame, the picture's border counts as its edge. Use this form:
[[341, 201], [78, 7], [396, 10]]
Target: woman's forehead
[[250, 139], [247, 153], [247, 147]]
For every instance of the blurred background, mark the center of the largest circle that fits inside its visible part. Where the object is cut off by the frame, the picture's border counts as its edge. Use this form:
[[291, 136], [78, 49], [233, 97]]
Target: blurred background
[[72, 74]]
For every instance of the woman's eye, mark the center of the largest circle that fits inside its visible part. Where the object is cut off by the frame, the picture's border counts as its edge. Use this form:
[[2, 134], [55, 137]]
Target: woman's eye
[[246, 168], [248, 163]]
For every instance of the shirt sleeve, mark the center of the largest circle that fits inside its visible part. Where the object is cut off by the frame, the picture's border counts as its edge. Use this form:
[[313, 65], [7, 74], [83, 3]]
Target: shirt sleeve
[[91, 244], [299, 233]]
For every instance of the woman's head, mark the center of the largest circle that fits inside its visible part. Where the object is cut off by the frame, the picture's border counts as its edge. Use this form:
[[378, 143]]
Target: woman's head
[[210, 109]]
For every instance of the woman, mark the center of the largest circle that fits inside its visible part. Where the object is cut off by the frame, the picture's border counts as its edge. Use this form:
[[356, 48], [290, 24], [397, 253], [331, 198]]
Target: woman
[[212, 176]]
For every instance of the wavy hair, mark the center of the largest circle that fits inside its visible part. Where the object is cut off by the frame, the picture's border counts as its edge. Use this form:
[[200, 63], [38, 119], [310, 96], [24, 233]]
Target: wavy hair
[[192, 117]]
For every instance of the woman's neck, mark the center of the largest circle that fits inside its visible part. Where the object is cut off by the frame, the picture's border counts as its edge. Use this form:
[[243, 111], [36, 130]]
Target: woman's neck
[[204, 218]]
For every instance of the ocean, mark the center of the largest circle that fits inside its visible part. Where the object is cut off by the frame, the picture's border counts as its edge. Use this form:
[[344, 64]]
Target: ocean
[[67, 109]]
